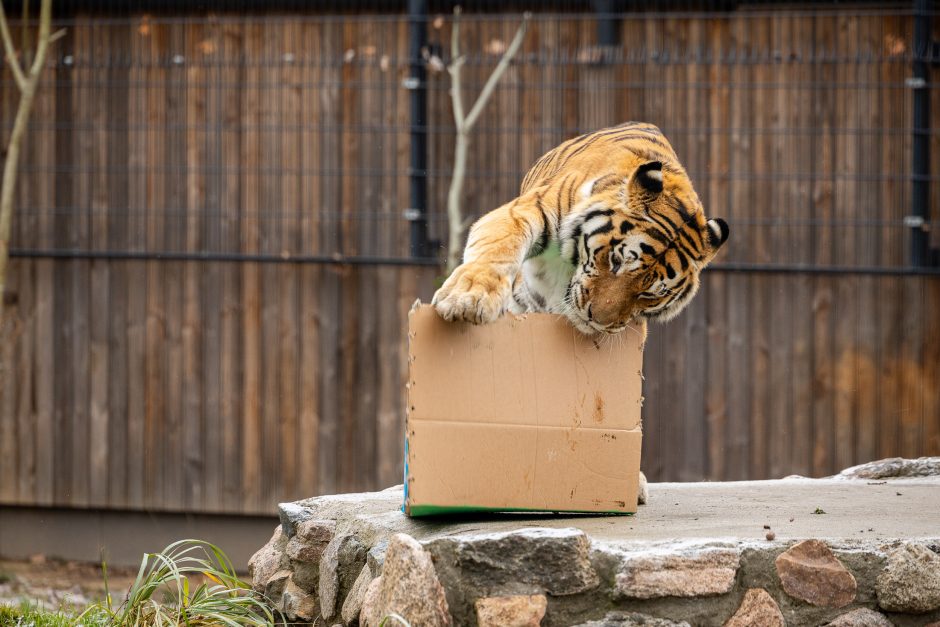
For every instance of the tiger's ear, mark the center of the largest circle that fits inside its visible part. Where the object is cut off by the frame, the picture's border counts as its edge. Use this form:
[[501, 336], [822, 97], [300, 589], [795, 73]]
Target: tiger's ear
[[717, 232], [647, 179]]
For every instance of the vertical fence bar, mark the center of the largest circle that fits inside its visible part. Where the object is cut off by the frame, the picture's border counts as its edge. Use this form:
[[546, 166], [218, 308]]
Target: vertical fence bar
[[920, 166], [417, 213]]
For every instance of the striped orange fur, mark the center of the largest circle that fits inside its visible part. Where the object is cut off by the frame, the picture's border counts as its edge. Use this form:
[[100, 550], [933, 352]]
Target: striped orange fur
[[606, 230]]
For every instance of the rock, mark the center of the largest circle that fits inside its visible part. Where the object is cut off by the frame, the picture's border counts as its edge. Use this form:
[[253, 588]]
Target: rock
[[702, 573], [357, 594], [340, 564], [408, 586], [307, 576], [910, 581], [376, 558], [310, 540], [291, 515], [527, 560], [810, 572], [757, 608], [275, 585], [631, 619], [268, 560], [511, 611], [862, 617], [894, 467], [297, 604]]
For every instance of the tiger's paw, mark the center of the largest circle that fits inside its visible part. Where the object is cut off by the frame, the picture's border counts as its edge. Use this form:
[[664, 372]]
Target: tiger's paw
[[474, 292], [644, 494]]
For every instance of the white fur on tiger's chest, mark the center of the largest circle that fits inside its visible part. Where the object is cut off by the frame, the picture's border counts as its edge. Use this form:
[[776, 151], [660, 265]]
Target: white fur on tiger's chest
[[546, 279]]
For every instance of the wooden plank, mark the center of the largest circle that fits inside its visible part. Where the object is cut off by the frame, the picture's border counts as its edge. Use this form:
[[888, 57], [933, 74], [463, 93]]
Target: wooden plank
[[193, 415], [251, 410], [910, 368], [118, 201], [867, 249], [389, 421], [230, 358], [330, 383], [44, 359], [212, 181], [779, 287], [695, 114], [891, 247], [307, 482], [845, 207], [351, 316], [271, 215], [100, 418], [175, 238], [289, 335], [802, 153], [308, 420], [739, 317], [691, 347], [136, 330], [155, 384], [716, 393], [761, 100], [823, 190], [22, 377], [368, 376], [9, 336], [931, 370], [80, 276]]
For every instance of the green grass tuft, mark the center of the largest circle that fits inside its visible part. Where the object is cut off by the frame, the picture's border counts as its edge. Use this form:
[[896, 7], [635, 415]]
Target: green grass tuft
[[29, 615], [223, 600]]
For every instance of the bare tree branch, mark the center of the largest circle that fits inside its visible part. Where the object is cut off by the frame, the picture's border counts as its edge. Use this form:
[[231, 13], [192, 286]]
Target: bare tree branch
[[457, 225], [11, 52], [27, 94], [454, 70], [497, 74]]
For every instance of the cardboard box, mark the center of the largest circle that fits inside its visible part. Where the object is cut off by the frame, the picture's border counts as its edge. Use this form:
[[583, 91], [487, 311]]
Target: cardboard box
[[525, 414]]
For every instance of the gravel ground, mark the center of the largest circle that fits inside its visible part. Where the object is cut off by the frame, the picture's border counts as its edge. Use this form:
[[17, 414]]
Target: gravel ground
[[56, 584]]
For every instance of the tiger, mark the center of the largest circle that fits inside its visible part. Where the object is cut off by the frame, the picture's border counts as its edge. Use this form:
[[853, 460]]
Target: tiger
[[607, 230]]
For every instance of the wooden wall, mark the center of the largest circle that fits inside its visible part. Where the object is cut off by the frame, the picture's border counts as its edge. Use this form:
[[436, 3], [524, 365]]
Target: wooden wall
[[226, 386]]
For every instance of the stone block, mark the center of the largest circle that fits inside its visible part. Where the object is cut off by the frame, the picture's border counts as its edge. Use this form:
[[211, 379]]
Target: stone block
[[910, 581], [757, 608], [706, 572], [810, 572], [511, 611], [556, 561], [340, 564], [632, 619], [408, 586], [352, 606], [862, 617], [268, 560]]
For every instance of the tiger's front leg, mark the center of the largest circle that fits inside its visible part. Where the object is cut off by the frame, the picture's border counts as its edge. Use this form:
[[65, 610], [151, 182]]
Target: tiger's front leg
[[480, 289]]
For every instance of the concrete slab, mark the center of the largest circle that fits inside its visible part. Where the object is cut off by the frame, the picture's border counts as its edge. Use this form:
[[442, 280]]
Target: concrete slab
[[855, 510]]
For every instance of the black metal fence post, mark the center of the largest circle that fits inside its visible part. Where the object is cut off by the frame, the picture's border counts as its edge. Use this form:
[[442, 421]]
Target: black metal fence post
[[417, 213], [920, 166]]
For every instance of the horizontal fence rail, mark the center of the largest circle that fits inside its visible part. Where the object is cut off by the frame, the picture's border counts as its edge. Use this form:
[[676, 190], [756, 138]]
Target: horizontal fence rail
[[213, 262]]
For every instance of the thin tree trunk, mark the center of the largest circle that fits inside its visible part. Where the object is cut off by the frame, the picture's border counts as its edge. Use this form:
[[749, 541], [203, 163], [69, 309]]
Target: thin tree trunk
[[27, 84]]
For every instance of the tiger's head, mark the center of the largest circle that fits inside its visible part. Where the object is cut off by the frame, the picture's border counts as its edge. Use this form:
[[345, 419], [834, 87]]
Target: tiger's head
[[637, 247]]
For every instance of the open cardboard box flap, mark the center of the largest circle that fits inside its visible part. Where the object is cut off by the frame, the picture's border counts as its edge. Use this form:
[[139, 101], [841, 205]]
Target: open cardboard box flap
[[525, 414]]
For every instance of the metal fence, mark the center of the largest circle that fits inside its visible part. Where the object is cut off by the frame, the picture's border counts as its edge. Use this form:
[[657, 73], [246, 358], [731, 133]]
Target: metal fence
[[166, 145], [289, 135]]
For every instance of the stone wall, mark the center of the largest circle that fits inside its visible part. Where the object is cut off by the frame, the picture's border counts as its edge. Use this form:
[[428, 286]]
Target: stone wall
[[354, 559]]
